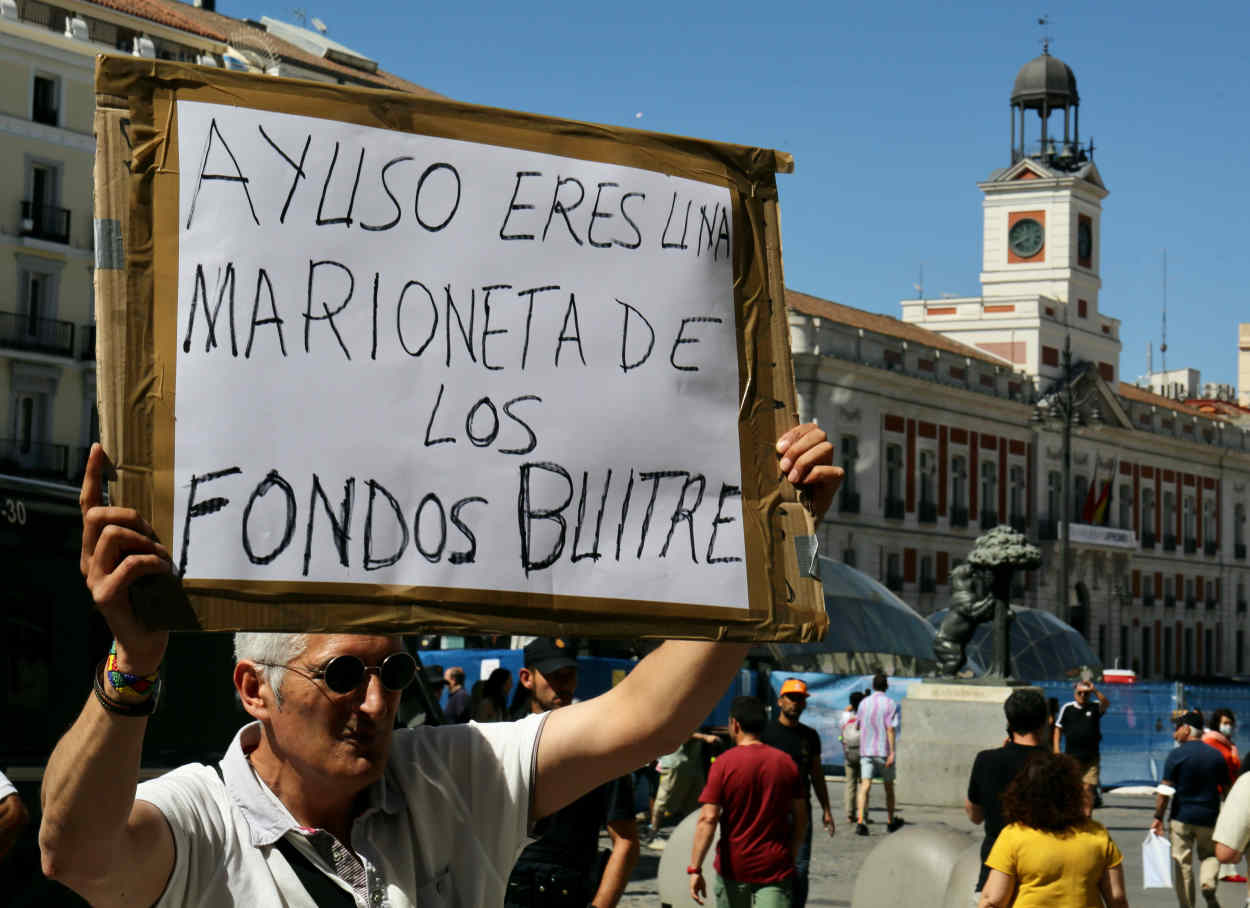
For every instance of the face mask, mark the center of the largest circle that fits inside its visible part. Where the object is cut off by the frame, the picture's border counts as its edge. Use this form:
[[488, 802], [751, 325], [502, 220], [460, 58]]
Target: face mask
[[1226, 729]]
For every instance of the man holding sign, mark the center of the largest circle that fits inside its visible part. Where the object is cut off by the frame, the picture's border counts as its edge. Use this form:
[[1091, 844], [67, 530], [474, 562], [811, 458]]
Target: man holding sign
[[319, 799]]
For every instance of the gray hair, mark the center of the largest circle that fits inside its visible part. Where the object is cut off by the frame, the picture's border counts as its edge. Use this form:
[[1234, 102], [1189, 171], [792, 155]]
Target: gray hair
[[276, 649]]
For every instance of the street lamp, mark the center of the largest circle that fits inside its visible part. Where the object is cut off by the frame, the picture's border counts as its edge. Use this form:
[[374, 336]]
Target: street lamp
[[1066, 408]]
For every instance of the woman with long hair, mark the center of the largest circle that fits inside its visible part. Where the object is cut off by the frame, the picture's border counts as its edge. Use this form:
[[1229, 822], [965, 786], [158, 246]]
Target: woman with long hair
[[493, 707], [1052, 855]]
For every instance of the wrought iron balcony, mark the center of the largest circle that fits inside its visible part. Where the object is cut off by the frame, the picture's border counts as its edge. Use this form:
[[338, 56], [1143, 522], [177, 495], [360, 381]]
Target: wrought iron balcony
[[894, 508], [1169, 601], [928, 585], [1169, 542], [1239, 551], [1147, 539], [46, 335], [1212, 604], [1047, 530], [1210, 547], [926, 512], [959, 517], [1019, 523], [894, 582], [25, 458], [1148, 600], [1191, 602], [1191, 545], [989, 520], [848, 502], [44, 222]]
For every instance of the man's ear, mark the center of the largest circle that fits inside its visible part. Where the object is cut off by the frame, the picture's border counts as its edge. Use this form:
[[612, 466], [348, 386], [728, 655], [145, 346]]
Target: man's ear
[[526, 677], [254, 693]]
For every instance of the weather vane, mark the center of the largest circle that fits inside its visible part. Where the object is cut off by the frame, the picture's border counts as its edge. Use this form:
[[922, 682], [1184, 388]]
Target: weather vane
[[1044, 22]]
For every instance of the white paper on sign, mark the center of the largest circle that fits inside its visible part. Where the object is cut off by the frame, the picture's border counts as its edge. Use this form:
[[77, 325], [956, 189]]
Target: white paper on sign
[[418, 361]]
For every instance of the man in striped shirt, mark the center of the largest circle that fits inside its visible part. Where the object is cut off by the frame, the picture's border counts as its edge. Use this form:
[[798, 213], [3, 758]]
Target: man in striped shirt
[[878, 717]]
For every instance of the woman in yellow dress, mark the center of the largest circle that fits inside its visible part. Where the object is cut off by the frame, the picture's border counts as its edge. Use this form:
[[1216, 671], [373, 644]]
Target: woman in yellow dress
[[1052, 855]]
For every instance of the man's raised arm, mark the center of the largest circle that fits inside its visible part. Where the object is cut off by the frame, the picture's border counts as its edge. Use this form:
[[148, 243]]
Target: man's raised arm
[[653, 710], [94, 837]]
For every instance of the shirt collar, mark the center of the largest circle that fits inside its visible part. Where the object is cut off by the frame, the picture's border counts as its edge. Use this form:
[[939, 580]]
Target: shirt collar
[[268, 819]]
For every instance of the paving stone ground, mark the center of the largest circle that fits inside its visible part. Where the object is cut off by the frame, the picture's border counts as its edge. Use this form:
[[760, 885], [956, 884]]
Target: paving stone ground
[[835, 862]]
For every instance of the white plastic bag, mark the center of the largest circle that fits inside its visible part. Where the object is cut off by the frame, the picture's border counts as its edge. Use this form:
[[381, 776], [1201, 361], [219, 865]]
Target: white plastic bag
[[1156, 862]]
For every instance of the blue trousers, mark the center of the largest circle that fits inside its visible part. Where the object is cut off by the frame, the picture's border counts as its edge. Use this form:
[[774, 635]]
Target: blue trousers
[[802, 862]]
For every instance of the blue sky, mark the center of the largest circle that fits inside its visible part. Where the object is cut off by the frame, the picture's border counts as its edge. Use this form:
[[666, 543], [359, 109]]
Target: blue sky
[[893, 112]]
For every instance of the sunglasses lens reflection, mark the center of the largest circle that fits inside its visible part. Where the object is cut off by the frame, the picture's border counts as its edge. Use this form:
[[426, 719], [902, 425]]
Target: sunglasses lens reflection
[[398, 671], [344, 674]]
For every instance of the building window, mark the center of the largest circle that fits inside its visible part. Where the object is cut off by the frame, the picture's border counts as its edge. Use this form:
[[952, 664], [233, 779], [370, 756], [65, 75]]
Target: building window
[[894, 481], [1209, 529], [927, 465], [1147, 654], [1126, 506], [1016, 492], [45, 107], [850, 459], [1080, 488], [1241, 652], [989, 492], [928, 582], [959, 491], [1168, 652], [1082, 308], [894, 571], [1169, 516], [1188, 651], [1239, 524], [848, 557], [1189, 523], [1148, 511]]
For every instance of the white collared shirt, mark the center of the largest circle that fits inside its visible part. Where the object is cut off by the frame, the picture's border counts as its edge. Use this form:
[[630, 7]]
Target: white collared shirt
[[443, 827]]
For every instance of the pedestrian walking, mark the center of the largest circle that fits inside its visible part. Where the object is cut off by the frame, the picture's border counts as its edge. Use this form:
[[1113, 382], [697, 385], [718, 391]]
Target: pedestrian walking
[[1028, 726], [1192, 779], [1051, 854], [802, 744], [457, 709], [848, 734], [753, 793], [878, 719], [1080, 726]]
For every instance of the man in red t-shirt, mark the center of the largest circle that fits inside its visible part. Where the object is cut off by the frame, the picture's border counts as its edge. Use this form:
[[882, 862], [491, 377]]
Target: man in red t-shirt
[[753, 791]]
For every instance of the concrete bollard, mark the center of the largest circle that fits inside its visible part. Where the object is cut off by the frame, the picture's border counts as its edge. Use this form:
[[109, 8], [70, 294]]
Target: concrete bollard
[[911, 867], [674, 883], [959, 888]]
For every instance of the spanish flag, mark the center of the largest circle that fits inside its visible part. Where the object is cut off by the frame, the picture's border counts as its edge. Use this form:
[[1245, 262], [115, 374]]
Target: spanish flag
[[1103, 506]]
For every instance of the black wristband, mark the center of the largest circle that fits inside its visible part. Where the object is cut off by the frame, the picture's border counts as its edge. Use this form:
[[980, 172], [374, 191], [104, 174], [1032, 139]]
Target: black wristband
[[118, 707]]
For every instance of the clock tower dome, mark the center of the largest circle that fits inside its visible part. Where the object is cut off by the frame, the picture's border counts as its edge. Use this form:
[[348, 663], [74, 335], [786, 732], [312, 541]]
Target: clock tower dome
[[1041, 242]]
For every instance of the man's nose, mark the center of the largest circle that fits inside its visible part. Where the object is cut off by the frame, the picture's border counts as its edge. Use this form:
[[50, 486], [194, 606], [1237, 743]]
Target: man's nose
[[375, 699]]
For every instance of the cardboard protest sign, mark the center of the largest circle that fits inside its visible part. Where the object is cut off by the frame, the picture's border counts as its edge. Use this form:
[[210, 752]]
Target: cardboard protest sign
[[370, 360]]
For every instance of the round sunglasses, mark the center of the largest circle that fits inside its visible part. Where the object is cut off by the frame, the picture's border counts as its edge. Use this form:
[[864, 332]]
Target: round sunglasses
[[344, 674]]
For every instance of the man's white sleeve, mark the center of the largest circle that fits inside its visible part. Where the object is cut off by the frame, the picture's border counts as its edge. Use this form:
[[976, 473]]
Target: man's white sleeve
[[1233, 826]]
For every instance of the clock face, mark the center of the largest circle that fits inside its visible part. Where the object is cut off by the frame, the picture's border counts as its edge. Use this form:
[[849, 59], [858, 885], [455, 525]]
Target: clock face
[[1084, 240], [1026, 238]]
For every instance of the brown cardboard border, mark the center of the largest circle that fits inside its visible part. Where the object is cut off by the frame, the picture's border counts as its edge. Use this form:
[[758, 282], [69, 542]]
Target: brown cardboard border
[[136, 101]]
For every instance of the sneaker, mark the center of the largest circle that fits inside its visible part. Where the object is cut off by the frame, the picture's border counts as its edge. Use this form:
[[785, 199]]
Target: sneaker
[[895, 824], [861, 829]]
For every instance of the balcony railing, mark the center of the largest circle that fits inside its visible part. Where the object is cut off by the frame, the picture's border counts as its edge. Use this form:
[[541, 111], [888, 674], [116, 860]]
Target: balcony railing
[[1147, 539], [26, 458], [1148, 600], [894, 582], [44, 222], [1210, 547], [959, 517], [848, 502], [928, 585], [1191, 545], [1239, 551], [1019, 523], [989, 520], [1212, 604], [926, 512], [894, 508], [1191, 602], [1169, 542], [1169, 601], [46, 335]]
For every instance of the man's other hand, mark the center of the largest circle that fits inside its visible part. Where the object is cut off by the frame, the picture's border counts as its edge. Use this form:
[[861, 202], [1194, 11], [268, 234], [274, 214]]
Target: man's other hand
[[807, 461]]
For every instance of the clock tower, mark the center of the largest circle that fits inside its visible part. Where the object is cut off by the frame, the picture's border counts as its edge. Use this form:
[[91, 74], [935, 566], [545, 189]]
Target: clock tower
[[1041, 241]]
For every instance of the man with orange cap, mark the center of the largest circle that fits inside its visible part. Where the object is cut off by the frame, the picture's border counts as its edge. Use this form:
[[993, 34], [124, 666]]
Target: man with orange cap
[[786, 733]]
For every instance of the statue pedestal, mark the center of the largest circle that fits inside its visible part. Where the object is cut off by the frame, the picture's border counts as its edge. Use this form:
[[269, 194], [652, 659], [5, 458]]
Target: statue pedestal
[[943, 727]]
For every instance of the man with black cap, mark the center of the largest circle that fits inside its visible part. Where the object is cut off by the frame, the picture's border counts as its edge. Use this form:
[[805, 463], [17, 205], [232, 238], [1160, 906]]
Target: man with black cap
[[561, 867], [786, 733], [1193, 776], [992, 770]]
